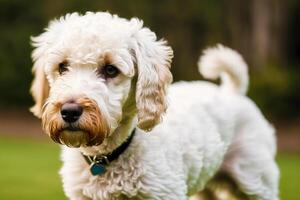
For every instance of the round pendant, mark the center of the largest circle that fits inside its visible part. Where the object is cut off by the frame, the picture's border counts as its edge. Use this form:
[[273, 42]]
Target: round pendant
[[97, 169]]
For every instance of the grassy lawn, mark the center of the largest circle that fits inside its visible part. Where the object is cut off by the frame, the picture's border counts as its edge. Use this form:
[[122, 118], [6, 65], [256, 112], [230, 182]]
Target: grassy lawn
[[290, 176], [29, 171]]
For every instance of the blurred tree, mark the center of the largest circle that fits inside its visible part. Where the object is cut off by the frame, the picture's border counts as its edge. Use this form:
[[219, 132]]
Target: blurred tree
[[18, 21], [256, 28]]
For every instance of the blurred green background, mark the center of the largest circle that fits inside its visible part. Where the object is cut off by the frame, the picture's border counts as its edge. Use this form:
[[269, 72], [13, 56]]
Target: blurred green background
[[265, 32]]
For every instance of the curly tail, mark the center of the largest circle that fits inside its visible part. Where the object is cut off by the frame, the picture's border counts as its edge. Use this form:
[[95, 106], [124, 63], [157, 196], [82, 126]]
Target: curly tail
[[227, 64]]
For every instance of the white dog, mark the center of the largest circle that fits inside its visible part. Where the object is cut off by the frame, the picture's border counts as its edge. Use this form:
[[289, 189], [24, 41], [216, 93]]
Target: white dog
[[101, 82]]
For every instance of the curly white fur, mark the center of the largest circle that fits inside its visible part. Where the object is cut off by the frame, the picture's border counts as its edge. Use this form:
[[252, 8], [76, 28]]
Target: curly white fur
[[206, 130]]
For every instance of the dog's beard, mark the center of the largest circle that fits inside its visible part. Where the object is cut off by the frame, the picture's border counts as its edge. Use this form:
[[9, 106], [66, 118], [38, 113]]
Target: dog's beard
[[73, 138], [89, 130]]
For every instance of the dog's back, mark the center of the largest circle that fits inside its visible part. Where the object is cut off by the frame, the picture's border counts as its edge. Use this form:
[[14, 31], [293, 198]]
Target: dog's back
[[219, 131]]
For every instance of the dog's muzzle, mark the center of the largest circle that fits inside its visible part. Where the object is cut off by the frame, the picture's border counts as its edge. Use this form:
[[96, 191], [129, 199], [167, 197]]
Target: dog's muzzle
[[75, 123]]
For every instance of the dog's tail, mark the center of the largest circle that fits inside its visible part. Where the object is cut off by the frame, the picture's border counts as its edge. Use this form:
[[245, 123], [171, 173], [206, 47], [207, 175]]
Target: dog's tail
[[227, 64]]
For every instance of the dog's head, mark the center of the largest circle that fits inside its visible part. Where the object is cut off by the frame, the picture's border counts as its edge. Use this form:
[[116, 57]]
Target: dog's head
[[92, 70]]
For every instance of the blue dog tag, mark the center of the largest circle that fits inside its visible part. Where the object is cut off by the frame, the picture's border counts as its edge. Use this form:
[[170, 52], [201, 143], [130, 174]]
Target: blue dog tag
[[97, 169]]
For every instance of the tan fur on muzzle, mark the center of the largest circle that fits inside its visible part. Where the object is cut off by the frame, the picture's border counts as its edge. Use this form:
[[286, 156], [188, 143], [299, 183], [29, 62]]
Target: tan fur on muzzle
[[90, 129]]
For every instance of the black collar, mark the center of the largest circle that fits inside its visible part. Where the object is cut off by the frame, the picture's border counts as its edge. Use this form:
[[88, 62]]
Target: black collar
[[98, 163]]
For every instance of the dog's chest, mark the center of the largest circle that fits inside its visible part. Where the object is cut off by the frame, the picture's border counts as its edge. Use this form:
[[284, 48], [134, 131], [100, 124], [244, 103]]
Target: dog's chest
[[140, 173], [155, 166], [122, 180]]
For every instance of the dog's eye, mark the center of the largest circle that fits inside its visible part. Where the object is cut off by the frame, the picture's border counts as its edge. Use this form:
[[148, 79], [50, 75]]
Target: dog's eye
[[110, 71], [63, 67]]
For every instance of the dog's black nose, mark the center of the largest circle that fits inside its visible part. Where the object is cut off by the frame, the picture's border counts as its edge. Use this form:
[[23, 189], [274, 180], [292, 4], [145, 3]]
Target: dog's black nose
[[70, 112]]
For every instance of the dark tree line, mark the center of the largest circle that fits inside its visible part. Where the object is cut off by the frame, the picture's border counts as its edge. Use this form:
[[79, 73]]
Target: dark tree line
[[266, 32]]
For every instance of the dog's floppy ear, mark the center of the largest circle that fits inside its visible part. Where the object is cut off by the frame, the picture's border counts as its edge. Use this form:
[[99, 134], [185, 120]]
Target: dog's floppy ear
[[40, 86], [39, 89], [153, 59]]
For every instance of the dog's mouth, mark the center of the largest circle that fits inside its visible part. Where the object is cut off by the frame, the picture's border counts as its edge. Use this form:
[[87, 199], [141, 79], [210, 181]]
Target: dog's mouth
[[72, 128], [75, 137], [88, 129]]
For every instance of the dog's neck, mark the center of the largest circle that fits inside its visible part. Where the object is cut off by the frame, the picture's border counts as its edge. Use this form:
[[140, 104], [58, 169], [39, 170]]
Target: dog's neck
[[114, 140], [121, 133]]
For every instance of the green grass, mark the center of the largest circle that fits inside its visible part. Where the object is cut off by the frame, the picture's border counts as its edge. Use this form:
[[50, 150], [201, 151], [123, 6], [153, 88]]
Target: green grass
[[29, 171], [289, 165]]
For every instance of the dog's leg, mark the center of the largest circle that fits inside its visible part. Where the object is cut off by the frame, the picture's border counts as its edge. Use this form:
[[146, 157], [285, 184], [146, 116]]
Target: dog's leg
[[206, 194], [225, 188], [73, 192], [259, 185], [74, 174], [250, 162]]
